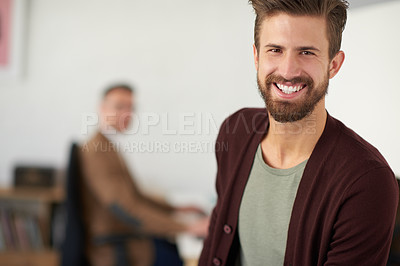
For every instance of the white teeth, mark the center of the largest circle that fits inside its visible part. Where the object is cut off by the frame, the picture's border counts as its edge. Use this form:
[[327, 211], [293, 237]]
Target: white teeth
[[288, 89]]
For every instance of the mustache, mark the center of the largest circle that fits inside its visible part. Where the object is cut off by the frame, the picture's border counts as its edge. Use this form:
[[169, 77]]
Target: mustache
[[273, 78]]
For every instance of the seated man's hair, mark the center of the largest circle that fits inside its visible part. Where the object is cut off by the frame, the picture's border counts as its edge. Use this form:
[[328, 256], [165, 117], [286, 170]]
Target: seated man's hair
[[121, 86]]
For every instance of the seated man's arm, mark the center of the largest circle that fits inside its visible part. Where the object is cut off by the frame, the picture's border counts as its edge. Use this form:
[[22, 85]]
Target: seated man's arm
[[105, 179]]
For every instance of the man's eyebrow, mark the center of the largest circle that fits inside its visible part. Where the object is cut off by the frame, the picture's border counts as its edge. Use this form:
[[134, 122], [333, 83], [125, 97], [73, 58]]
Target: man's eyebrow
[[301, 48], [304, 48], [271, 45]]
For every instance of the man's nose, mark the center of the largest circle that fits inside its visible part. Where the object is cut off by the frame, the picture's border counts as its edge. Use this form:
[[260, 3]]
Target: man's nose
[[289, 66]]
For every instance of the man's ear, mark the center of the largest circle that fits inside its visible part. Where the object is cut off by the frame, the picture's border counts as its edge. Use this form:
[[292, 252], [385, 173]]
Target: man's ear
[[255, 53], [336, 64]]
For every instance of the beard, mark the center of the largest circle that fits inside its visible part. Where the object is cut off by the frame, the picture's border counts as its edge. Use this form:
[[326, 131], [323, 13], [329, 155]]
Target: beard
[[290, 111]]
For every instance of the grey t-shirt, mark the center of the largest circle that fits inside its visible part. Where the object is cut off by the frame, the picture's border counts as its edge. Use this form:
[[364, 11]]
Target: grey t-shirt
[[265, 212]]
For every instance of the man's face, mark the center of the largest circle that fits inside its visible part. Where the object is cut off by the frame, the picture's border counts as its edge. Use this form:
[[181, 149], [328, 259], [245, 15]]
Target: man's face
[[293, 66], [116, 109]]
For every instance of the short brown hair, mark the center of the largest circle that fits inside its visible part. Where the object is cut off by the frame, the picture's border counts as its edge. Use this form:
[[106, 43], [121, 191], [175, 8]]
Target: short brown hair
[[335, 12]]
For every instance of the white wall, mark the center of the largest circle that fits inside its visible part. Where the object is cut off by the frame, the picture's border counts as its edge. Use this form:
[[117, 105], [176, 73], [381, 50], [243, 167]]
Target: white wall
[[184, 57], [366, 93]]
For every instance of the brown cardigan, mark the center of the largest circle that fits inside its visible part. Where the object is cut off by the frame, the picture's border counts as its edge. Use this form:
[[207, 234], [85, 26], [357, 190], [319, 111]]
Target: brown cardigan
[[345, 205], [108, 189]]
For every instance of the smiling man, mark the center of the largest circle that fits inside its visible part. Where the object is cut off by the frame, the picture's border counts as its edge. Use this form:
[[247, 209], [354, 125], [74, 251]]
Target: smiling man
[[296, 186]]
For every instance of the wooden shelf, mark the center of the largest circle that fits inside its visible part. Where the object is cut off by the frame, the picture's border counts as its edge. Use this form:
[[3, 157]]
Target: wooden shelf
[[45, 195], [42, 199], [30, 258]]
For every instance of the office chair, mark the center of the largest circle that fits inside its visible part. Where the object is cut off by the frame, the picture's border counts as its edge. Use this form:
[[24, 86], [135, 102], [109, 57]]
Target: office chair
[[73, 248]]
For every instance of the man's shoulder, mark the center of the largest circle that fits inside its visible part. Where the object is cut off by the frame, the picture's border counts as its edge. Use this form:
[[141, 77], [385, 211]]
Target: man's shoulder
[[98, 143], [355, 150]]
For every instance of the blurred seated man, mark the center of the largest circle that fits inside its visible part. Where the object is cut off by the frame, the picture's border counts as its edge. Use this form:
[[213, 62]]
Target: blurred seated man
[[122, 224]]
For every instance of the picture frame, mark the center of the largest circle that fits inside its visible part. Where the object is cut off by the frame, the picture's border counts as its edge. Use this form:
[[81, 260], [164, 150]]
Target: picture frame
[[12, 37]]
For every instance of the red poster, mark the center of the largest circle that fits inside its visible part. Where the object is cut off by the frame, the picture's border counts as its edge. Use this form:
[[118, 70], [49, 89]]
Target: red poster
[[5, 31]]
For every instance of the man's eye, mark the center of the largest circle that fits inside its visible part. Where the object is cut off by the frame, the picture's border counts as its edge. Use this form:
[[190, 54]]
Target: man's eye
[[307, 53], [275, 50]]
